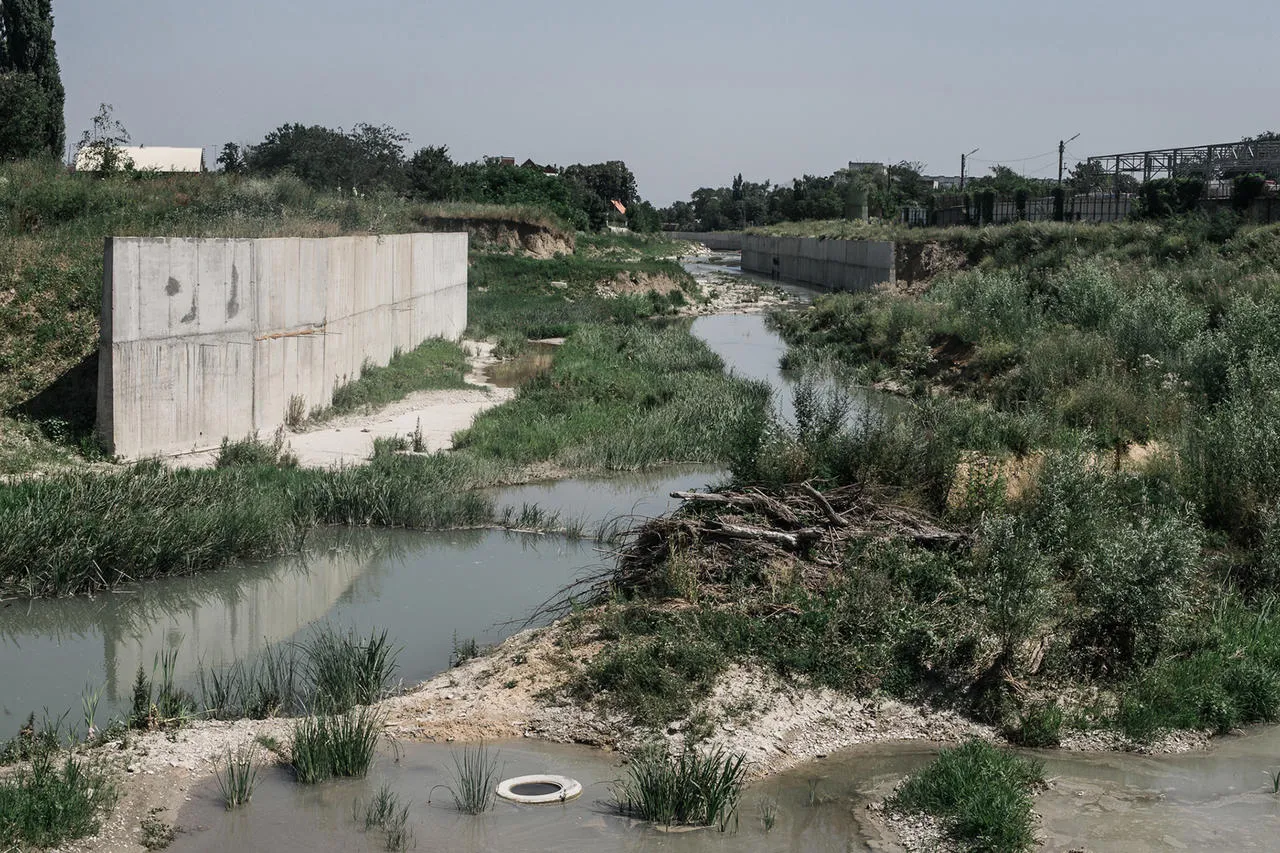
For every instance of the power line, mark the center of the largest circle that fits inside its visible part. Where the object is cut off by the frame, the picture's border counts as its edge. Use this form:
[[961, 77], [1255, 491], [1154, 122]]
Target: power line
[[1020, 159]]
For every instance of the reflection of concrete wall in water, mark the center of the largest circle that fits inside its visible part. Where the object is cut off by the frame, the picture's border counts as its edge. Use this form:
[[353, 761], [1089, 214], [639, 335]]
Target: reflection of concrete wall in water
[[723, 241], [206, 338], [270, 608], [833, 264]]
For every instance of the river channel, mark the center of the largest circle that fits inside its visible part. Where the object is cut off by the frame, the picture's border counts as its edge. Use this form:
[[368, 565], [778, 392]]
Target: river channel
[[427, 588]]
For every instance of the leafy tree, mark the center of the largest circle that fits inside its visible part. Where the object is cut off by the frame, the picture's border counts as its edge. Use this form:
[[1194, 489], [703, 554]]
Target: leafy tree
[[23, 106], [1097, 178], [611, 180], [101, 144], [643, 218], [27, 49], [430, 174], [369, 157], [231, 159]]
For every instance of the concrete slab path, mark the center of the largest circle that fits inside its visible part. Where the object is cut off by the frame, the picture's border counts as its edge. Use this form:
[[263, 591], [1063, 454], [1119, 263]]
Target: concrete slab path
[[348, 439]]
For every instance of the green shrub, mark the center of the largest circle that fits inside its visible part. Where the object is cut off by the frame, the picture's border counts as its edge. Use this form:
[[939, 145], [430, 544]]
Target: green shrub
[[691, 788], [1038, 726], [981, 793], [44, 805]]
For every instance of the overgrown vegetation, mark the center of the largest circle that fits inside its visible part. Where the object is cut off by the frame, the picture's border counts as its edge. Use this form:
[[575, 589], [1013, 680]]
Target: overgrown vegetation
[[338, 745], [79, 532], [982, 545], [49, 802], [981, 793], [689, 788], [620, 397]]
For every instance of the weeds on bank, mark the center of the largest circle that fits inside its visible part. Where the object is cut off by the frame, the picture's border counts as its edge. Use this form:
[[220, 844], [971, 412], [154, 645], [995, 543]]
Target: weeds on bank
[[475, 779], [156, 833], [238, 775], [691, 788], [433, 365], [68, 534], [47, 803], [330, 670], [620, 398], [981, 793], [462, 650], [343, 670]]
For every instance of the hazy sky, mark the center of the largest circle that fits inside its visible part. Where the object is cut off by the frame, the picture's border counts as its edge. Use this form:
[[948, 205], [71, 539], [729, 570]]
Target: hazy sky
[[687, 93]]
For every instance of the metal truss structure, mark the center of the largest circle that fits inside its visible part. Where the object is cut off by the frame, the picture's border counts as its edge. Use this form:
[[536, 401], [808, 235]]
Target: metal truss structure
[[1202, 161]]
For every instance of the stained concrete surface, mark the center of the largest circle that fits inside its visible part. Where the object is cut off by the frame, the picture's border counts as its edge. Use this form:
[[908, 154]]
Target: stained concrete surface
[[208, 338]]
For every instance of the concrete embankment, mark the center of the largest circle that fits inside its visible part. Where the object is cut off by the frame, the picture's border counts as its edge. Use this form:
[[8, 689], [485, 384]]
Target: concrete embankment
[[832, 264], [720, 241], [207, 338]]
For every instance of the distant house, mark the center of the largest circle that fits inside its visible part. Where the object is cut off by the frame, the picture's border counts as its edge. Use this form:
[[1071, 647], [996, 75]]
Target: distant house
[[546, 170], [943, 182], [500, 160], [146, 159]]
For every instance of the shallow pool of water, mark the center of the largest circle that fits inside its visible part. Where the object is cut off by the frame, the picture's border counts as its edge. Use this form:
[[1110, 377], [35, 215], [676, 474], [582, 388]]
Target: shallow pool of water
[[285, 816]]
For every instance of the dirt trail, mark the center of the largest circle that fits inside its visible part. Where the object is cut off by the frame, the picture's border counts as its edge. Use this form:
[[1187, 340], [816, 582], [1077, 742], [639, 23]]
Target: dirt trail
[[348, 439]]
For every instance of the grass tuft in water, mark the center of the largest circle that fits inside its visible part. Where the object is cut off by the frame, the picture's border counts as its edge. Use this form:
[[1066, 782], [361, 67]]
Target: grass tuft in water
[[385, 811], [340, 745], [981, 793], [768, 813], [692, 788], [475, 779], [238, 776]]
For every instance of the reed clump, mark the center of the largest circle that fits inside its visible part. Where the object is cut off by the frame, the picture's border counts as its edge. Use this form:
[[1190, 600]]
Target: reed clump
[[237, 775], [340, 745], [691, 788]]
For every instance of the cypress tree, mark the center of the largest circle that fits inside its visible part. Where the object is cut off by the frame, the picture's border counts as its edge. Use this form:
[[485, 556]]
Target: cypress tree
[[27, 48]]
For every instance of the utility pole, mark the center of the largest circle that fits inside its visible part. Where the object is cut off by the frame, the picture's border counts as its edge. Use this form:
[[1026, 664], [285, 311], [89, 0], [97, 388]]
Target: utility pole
[[1062, 149], [963, 158]]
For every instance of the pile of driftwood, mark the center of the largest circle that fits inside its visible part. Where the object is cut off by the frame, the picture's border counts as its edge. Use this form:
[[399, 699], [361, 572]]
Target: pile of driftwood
[[799, 525]]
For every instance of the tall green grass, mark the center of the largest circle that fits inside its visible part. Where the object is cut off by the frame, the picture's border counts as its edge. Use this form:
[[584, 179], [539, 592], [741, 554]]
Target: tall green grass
[[237, 776], [691, 788], [77, 533], [345, 671], [475, 779], [341, 745], [620, 398], [48, 803], [981, 793]]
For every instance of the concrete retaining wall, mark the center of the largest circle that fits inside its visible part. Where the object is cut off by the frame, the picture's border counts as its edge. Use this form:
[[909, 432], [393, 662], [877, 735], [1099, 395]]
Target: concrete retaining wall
[[721, 241], [833, 264], [206, 338]]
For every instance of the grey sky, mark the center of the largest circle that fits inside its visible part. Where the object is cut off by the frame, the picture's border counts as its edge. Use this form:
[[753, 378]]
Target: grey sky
[[688, 93]]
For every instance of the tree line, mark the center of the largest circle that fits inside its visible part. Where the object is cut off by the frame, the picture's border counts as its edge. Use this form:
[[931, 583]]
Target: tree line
[[883, 191], [371, 158]]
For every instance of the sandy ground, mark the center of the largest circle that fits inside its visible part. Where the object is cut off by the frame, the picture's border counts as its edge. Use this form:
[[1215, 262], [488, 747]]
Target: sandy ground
[[348, 439]]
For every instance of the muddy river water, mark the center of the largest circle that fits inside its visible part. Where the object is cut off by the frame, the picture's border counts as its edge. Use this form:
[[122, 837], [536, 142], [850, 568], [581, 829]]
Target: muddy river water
[[427, 588]]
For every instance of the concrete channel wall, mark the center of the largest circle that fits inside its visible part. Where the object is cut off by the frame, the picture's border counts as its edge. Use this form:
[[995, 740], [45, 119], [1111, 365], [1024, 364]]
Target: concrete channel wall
[[833, 264], [720, 241], [210, 338]]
